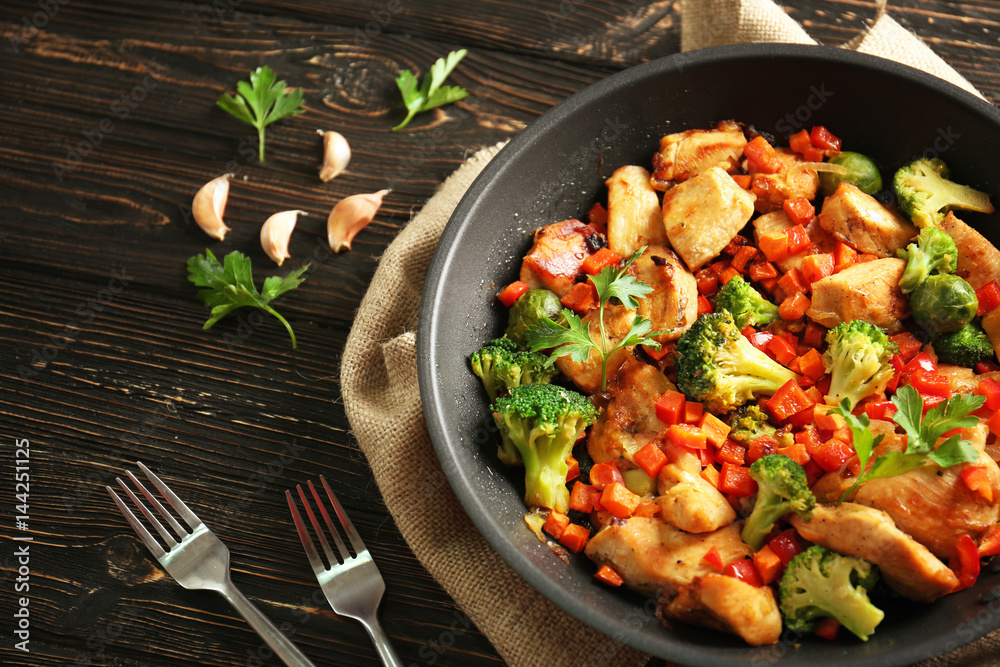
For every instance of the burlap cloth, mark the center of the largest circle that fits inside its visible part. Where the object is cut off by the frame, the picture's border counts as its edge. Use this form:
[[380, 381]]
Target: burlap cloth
[[379, 385]]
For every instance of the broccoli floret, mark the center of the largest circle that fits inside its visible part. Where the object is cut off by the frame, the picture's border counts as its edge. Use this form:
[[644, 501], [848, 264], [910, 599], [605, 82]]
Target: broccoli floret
[[965, 347], [749, 423], [934, 252], [501, 365], [925, 194], [718, 366], [541, 423], [782, 488], [858, 357], [820, 583], [745, 303]]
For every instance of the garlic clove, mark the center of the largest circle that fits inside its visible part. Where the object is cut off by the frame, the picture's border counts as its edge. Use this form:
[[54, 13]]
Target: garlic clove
[[350, 216], [276, 232], [336, 155], [210, 204]]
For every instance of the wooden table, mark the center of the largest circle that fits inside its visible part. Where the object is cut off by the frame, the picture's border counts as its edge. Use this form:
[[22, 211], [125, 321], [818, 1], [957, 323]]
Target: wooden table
[[109, 126]]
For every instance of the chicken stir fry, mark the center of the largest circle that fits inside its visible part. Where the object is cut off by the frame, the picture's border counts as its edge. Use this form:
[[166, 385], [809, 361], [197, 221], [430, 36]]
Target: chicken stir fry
[[750, 388]]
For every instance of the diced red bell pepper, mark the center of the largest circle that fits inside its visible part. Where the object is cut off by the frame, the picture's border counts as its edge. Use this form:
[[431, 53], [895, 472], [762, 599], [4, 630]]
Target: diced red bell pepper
[[599, 260], [802, 144], [656, 354], [762, 270], [883, 410], [714, 429], [650, 458], [796, 452], [823, 138], [731, 452], [909, 345], [798, 239], [988, 366], [713, 558], [574, 469], [745, 571], [607, 574], [800, 210], [788, 400], [811, 364], [990, 389], [833, 454], [687, 435], [977, 478], [827, 628], [670, 407], [736, 480], [922, 361], [989, 543], [781, 350], [605, 473], [965, 562], [511, 293], [760, 447], [703, 305], [930, 383], [760, 339], [814, 334], [989, 297], [761, 157], [786, 545], [693, 411]]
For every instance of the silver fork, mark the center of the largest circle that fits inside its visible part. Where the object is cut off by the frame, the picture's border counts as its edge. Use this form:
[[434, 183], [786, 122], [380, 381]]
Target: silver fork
[[200, 560], [352, 585]]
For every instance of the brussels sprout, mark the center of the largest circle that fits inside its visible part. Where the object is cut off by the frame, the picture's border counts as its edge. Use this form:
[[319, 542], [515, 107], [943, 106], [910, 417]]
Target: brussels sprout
[[861, 171], [530, 309], [943, 303]]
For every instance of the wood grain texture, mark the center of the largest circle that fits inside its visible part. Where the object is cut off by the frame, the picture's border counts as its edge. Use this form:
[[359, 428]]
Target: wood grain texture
[[109, 128]]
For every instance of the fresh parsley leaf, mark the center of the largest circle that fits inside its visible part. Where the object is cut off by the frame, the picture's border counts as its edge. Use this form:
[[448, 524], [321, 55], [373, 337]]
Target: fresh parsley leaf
[[262, 101], [922, 434], [574, 338], [429, 94], [229, 286]]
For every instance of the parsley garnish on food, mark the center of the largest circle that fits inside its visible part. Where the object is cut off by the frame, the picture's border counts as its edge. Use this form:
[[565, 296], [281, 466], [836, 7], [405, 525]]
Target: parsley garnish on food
[[574, 338], [262, 101], [426, 95], [230, 286], [922, 432]]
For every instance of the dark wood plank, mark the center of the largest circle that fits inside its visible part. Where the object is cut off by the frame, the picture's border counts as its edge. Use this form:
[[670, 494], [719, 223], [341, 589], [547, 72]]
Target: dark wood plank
[[106, 360]]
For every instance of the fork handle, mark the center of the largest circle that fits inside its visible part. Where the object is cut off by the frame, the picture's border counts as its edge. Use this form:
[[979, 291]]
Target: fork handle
[[382, 644], [288, 652]]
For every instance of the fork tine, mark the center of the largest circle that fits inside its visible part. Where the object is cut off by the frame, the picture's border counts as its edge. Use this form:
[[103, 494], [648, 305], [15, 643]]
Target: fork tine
[[352, 533], [321, 534], [137, 526], [164, 533], [307, 543], [331, 526], [167, 516], [190, 517]]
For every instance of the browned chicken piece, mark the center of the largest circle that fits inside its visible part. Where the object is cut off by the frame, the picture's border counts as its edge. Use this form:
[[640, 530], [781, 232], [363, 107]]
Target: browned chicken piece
[[991, 325], [728, 604], [686, 154], [630, 414], [554, 260], [689, 502], [587, 375], [703, 214], [868, 291], [859, 220], [634, 217], [672, 306], [978, 259], [933, 505], [792, 181], [778, 221], [654, 558], [962, 380], [855, 530], [830, 487]]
